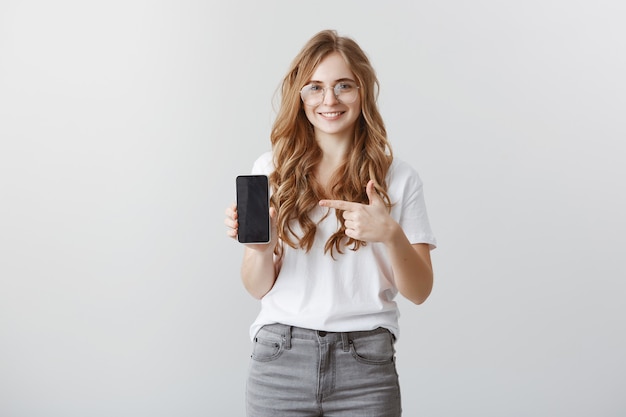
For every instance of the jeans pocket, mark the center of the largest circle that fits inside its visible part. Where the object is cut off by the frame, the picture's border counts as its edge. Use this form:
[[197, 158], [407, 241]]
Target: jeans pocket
[[265, 349], [376, 349]]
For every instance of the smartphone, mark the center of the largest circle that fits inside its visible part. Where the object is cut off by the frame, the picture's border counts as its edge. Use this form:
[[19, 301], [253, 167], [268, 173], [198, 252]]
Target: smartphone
[[253, 208]]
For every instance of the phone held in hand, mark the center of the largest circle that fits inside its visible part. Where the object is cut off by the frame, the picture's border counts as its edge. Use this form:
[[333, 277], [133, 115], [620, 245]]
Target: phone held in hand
[[253, 208]]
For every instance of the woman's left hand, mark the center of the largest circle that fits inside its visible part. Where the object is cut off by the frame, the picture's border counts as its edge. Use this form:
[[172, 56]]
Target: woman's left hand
[[366, 222]]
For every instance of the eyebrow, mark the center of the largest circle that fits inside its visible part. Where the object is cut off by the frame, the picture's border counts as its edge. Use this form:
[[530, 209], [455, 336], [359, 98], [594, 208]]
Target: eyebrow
[[336, 81]]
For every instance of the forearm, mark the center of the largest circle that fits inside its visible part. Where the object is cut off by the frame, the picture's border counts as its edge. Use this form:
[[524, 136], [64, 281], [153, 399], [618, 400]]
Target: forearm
[[411, 266], [258, 272]]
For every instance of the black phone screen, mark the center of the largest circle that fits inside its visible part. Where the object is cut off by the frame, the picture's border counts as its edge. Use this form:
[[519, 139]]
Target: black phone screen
[[253, 208]]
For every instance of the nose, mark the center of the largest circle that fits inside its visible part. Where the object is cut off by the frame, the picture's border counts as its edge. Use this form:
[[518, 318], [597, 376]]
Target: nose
[[329, 96]]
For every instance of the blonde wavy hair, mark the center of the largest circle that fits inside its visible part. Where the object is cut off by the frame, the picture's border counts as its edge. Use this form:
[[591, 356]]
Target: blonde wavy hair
[[296, 154]]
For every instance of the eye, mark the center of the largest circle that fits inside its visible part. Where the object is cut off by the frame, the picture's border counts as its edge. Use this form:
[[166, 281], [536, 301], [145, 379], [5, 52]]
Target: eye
[[312, 88], [344, 86]]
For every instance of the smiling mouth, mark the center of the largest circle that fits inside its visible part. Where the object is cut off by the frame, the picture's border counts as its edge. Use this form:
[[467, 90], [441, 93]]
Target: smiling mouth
[[332, 114]]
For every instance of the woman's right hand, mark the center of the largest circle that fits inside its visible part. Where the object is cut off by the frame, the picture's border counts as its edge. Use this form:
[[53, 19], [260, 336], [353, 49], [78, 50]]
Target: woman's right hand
[[259, 268], [231, 221]]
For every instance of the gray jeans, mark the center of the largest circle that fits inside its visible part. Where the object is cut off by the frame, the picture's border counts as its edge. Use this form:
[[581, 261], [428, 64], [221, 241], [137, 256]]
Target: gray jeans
[[298, 372]]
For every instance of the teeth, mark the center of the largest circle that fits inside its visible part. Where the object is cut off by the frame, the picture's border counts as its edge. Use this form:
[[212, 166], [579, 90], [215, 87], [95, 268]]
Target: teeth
[[335, 114]]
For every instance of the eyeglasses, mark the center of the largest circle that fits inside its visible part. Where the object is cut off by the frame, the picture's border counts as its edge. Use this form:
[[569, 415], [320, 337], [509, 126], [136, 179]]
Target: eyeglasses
[[345, 92]]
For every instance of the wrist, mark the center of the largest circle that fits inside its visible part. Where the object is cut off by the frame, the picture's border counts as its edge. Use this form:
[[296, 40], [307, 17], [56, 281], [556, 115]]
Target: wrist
[[395, 235]]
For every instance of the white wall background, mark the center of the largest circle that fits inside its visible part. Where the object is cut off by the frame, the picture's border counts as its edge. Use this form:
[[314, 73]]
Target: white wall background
[[124, 123]]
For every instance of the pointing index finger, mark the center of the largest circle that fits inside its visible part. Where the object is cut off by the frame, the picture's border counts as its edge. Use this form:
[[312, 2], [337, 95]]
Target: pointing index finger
[[338, 204]]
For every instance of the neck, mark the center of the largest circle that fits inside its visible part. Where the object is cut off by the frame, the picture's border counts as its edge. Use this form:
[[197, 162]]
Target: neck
[[334, 147], [334, 151]]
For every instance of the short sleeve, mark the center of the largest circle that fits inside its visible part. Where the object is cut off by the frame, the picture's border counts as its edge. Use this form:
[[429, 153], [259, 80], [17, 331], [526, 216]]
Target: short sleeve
[[406, 191], [263, 164]]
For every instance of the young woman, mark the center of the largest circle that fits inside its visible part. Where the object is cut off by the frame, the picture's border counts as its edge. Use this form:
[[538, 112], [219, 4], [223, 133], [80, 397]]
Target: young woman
[[349, 231]]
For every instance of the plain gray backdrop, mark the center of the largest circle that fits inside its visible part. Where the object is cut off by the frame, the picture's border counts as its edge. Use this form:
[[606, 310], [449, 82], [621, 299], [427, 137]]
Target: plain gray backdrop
[[124, 123]]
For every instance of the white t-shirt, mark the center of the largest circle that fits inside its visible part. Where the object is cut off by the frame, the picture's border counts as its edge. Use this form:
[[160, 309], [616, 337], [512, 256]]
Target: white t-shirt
[[356, 290]]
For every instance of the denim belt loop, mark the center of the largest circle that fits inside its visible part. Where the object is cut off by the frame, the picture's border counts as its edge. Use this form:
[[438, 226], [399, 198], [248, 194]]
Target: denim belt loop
[[345, 342], [287, 338]]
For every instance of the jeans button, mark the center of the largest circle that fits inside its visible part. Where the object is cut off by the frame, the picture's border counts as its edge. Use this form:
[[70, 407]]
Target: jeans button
[[321, 333]]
